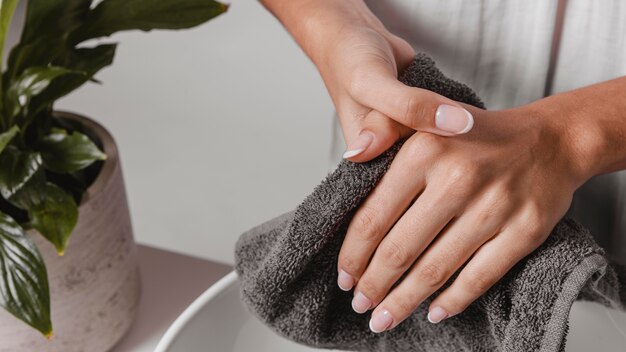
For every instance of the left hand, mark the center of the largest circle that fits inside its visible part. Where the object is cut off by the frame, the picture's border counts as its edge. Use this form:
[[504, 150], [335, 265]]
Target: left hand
[[488, 198]]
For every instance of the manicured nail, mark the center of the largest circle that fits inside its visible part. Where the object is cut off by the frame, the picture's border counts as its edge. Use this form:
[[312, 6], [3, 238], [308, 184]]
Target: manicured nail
[[359, 144], [436, 315], [345, 281], [381, 321], [453, 119], [360, 303]]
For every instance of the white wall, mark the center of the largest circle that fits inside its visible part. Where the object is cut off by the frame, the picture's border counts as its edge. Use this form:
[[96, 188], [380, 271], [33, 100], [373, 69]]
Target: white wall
[[220, 128]]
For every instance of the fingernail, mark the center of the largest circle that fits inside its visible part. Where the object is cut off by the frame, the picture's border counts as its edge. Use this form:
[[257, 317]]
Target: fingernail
[[345, 281], [359, 144], [453, 119], [381, 321], [360, 303], [437, 314]]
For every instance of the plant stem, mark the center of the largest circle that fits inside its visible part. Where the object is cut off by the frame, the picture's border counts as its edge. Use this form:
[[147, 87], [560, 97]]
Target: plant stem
[[7, 7]]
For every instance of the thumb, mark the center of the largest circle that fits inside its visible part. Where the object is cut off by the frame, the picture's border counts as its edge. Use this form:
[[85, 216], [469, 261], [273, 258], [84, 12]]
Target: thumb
[[373, 135], [417, 108]]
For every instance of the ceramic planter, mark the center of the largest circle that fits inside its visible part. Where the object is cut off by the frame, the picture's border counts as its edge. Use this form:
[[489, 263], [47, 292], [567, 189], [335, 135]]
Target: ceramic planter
[[95, 286]]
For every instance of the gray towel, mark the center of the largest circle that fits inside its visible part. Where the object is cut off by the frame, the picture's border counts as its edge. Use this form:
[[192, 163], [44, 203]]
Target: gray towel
[[288, 271]]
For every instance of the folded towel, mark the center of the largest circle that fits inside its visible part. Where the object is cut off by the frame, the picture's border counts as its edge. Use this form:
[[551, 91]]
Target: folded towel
[[288, 271]]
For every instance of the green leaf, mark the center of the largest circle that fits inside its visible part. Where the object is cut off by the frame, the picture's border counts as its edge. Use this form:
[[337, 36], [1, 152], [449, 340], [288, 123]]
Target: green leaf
[[52, 17], [7, 7], [62, 152], [16, 170], [46, 27], [86, 60], [89, 60], [55, 217], [22, 178], [74, 183], [51, 210], [35, 79], [24, 288], [111, 16], [39, 53], [32, 82], [32, 194], [7, 136]]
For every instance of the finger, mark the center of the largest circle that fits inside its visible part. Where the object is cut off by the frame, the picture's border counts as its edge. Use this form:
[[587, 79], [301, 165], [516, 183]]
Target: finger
[[377, 133], [402, 51], [403, 244], [419, 109], [490, 263], [452, 248], [385, 204]]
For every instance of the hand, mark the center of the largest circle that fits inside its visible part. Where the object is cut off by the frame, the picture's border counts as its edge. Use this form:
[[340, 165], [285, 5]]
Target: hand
[[359, 61], [487, 199]]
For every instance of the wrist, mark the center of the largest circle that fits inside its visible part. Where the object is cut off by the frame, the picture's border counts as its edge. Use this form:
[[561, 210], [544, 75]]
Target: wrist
[[579, 140], [315, 24]]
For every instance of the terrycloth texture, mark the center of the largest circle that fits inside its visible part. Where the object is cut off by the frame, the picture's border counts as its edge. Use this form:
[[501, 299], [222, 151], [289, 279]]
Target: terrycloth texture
[[288, 272]]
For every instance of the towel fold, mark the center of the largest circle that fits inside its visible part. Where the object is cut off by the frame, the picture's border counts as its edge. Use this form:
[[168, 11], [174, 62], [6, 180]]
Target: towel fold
[[288, 271]]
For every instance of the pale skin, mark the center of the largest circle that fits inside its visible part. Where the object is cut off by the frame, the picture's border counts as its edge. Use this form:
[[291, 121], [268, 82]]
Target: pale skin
[[484, 198]]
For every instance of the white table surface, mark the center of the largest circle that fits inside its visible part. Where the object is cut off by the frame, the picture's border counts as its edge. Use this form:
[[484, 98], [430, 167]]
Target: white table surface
[[170, 282]]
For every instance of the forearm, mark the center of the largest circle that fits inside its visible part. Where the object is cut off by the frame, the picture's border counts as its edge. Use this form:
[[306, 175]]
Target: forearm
[[313, 23], [593, 121]]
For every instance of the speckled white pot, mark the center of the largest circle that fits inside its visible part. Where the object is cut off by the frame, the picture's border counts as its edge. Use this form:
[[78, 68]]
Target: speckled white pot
[[95, 286]]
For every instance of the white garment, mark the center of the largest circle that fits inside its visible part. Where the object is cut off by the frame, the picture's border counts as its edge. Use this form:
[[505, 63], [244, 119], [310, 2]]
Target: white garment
[[499, 48], [504, 50]]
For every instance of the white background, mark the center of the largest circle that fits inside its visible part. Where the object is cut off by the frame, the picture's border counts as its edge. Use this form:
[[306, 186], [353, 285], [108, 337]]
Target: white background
[[220, 128]]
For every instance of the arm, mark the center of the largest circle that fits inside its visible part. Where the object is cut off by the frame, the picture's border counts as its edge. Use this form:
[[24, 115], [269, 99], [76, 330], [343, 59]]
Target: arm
[[594, 120], [359, 60]]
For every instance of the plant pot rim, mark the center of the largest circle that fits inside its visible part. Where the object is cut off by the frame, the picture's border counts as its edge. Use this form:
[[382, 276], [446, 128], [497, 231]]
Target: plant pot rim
[[110, 149]]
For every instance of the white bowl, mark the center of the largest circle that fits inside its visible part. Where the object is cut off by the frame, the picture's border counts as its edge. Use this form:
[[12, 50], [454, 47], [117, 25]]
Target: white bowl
[[218, 322]]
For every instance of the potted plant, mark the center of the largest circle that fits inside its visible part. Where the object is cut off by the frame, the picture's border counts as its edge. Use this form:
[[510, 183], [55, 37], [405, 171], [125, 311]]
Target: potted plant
[[61, 190]]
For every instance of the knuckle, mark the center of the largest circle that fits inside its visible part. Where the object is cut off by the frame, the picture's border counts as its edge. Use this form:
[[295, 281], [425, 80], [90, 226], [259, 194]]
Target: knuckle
[[452, 249], [404, 47], [454, 303], [494, 204], [535, 237], [460, 172], [405, 304], [462, 178], [495, 198], [413, 111], [431, 274], [532, 212], [370, 289], [418, 112], [532, 224], [358, 83], [422, 145], [478, 282], [393, 254], [485, 216], [349, 264], [365, 225]]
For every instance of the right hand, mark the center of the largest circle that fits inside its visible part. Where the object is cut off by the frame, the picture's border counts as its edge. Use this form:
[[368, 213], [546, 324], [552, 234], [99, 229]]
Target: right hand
[[359, 61]]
